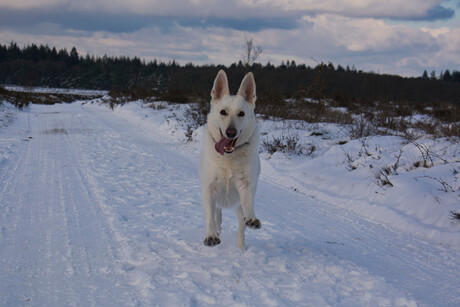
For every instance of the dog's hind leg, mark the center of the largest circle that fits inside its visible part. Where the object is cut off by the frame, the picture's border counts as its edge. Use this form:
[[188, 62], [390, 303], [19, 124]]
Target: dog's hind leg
[[241, 226]]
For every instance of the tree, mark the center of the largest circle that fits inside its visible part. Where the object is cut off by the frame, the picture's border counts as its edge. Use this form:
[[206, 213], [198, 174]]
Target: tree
[[63, 55], [74, 58], [54, 55], [447, 76], [282, 65], [456, 76], [425, 75], [14, 53], [269, 66], [251, 53]]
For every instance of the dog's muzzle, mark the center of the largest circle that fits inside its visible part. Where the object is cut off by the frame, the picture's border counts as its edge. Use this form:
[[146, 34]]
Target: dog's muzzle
[[226, 145]]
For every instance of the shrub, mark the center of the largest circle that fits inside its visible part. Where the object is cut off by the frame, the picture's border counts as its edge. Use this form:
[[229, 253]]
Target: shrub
[[287, 143], [195, 116]]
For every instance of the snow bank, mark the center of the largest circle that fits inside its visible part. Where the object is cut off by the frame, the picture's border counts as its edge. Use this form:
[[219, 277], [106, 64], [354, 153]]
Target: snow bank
[[412, 186]]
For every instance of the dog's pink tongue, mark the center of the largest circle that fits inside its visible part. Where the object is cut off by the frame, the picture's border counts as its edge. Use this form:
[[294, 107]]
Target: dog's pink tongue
[[221, 145]]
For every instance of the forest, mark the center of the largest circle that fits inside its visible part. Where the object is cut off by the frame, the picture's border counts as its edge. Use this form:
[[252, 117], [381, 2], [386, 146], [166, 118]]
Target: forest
[[46, 66]]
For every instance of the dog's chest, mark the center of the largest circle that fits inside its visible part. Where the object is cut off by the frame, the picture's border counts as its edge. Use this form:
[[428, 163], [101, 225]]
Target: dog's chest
[[229, 174], [226, 188]]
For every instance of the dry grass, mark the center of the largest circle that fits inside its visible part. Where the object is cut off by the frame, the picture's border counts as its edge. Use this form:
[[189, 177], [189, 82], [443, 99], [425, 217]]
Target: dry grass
[[455, 215], [23, 99]]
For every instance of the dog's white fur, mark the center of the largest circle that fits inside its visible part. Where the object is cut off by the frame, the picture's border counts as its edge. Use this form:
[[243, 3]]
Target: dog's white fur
[[230, 179]]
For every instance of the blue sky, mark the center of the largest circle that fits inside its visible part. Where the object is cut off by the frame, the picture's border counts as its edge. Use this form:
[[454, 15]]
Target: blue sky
[[398, 37]]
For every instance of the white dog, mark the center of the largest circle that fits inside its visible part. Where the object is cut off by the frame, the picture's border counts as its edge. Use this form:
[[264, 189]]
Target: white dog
[[229, 161]]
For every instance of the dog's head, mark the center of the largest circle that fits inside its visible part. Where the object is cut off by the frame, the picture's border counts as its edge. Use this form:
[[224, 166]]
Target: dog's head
[[231, 118]]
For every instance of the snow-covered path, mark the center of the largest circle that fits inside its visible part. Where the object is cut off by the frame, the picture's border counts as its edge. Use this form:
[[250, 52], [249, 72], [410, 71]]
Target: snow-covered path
[[96, 210]]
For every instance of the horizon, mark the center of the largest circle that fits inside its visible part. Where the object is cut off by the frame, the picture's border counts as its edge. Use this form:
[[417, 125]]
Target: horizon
[[336, 66]]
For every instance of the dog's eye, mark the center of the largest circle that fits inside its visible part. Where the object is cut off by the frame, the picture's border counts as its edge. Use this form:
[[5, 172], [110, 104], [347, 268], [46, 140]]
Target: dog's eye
[[241, 114], [223, 112]]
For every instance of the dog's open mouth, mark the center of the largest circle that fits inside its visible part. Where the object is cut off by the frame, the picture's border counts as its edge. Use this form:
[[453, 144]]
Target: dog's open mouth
[[225, 145]]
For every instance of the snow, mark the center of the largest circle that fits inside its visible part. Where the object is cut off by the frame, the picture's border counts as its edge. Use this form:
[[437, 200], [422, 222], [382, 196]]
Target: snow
[[417, 200], [52, 90], [102, 208]]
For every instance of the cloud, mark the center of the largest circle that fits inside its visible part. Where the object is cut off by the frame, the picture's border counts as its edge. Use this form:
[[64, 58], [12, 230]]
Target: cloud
[[117, 22], [75, 21], [246, 15], [367, 43], [27, 4], [356, 33], [390, 9], [246, 24], [436, 32], [369, 34], [437, 12]]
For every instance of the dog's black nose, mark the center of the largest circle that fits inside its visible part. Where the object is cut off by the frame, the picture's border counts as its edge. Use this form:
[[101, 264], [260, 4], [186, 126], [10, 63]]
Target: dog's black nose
[[231, 132]]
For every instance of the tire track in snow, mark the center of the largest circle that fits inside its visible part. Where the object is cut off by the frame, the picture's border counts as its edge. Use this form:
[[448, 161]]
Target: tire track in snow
[[28, 244], [138, 186], [99, 239], [53, 246], [14, 171]]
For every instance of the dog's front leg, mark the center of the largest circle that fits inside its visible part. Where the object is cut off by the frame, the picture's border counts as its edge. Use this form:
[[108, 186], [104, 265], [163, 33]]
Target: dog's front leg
[[240, 234], [209, 209], [247, 190]]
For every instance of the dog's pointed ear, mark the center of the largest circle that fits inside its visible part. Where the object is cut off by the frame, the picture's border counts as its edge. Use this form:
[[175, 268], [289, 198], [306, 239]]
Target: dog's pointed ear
[[248, 89], [220, 88]]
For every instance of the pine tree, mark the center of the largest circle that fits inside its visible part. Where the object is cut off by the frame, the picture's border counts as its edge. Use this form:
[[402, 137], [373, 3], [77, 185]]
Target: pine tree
[[456, 76], [425, 75], [74, 59], [447, 76]]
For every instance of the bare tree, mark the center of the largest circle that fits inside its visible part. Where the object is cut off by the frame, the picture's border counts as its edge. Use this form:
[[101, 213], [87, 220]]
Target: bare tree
[[251, 52]]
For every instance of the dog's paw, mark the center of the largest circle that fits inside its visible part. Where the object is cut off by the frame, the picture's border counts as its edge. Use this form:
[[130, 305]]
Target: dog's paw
[[252, 223], [211, 241]]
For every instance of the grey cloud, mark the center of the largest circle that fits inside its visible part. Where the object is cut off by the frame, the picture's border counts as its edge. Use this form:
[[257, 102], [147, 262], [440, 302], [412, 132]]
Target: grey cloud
[[253, 20], [437, 12], [247, 24], [130, 22], [72, 20]]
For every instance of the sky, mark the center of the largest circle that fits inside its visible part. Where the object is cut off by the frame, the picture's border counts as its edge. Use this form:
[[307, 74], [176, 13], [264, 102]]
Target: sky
[[402, 37]]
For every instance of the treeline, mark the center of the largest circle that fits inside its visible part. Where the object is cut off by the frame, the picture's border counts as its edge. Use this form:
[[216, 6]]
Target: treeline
[[45, 66], [443, 75]]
